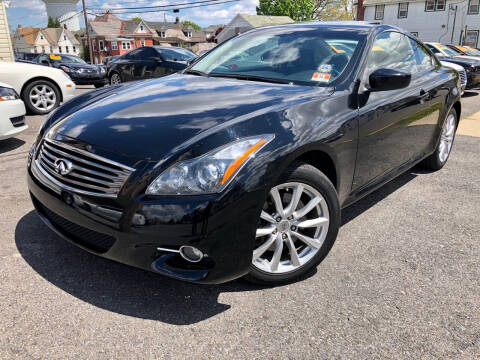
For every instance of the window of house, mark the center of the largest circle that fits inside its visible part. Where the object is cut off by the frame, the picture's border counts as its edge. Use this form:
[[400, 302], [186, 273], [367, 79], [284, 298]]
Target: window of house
[[141, 27], [402, 10], [473, 6], [189, 34], [126, 45], [41, 37], [60, 49], [163, 34], [100, 45], [142, 42], [379, 10], [74, 49], [440, 5], [64, 37], [43, 49], [67, 49], [94, 45], [430, 5], [114, 45], [435, 5]]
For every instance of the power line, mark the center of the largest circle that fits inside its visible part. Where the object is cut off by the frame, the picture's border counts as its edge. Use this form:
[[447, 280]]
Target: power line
[[163, 10], [162, 6]]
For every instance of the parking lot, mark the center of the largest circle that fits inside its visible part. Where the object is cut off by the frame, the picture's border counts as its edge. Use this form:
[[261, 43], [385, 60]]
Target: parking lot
[[402, 281]]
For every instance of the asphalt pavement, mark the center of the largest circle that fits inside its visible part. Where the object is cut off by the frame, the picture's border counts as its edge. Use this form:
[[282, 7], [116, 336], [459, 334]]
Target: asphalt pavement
[[401, 282]]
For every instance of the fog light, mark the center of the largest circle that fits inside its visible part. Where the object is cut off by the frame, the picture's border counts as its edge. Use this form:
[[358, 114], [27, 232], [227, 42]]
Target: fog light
[[191, 254]]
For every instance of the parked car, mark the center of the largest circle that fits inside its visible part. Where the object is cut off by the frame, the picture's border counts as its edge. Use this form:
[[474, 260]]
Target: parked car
[[148, 62], [12, 110], [471, 65], [79, 71], [236, 168], [110, 59], [445, 51], [461, 73], [466, 50], [42, 89]]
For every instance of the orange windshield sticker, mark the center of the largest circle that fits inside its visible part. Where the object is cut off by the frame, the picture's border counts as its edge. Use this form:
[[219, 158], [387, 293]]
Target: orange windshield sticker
[[338, 51], [321, 77], [377, 48]]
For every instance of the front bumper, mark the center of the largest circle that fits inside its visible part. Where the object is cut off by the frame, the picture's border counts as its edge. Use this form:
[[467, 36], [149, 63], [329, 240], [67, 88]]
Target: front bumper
[[473, 80], [68, 91], [12, 119], [223, 227], [90, 80]]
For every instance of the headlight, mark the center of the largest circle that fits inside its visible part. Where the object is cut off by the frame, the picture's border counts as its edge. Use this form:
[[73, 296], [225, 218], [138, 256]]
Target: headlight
[[102, 70], [66, 69], [209, 173], [8, 94]]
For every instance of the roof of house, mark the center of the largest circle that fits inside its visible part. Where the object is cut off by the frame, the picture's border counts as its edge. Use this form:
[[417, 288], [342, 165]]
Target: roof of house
[[29, 34], [264, 20], [54, 34]]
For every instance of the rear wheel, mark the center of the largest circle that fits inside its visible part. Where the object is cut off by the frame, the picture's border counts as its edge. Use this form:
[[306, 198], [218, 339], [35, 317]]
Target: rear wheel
[[297, 227], [439, 158]]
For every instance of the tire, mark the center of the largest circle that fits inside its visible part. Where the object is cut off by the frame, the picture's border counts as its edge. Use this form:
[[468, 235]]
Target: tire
[[115, 79], [316, 190], [98, 86], [442, 152], [41, 97]]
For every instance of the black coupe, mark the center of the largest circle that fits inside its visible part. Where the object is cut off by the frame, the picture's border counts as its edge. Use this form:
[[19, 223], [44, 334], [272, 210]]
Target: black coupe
[[148, 62], [240, 165]]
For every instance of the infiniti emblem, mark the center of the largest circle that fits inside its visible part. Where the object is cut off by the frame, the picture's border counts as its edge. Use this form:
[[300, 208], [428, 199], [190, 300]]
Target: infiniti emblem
[[63, 167]]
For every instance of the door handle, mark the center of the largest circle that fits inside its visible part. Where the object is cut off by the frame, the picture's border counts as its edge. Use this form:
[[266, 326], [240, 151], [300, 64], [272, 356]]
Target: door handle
[[424, 94]]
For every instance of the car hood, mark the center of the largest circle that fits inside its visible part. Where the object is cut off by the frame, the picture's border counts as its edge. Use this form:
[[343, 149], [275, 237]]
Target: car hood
[[79, 66], [147, 119], [461, 60]]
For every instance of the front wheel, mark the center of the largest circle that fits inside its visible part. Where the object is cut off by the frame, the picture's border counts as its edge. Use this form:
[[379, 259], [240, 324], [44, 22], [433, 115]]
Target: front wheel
[[297, 227], [41, 97], [115, 79], [439, 158]]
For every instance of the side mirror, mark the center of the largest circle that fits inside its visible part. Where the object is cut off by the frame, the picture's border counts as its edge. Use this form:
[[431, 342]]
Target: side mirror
[[389, 79]]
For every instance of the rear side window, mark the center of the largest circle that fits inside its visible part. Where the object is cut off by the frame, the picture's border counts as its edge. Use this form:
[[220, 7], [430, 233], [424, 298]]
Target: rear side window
[[391, 50], [423, 59]]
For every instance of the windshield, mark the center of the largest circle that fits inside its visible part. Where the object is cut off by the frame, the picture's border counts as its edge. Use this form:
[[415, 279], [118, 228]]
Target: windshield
[[303, 55], [448, 51], [176, 55], [471, 51], [66, 59]]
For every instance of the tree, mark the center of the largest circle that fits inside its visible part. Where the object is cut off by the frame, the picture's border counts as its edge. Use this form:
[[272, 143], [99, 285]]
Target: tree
[[192, 24], [336, 10], [298, 10], [57, 23], [51, 22], [137, 18]]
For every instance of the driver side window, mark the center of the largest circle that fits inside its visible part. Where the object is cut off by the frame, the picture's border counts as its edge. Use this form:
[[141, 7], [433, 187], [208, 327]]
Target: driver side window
[[391, 50]]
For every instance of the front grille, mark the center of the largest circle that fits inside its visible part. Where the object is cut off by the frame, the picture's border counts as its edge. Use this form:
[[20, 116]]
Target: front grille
[[79, 171], [18, 121], [463, 77], [90, 239]]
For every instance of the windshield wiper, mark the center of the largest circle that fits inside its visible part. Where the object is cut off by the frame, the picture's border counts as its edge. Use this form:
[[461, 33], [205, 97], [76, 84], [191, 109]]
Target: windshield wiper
[[250, 78], [196, 72]]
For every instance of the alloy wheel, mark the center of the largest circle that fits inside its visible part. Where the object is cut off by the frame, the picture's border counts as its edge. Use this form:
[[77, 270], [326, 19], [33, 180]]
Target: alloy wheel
[[446, 140], [116, 79], [42, 97], [292, 228]]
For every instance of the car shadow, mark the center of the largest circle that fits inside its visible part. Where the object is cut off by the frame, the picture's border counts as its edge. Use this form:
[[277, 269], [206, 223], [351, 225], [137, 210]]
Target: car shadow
[[468, 94], [116, 287], [10, 144], [129, 291]]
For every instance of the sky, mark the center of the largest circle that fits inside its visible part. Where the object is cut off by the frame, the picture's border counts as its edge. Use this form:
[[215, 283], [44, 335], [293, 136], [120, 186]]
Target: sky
[[33, 13]]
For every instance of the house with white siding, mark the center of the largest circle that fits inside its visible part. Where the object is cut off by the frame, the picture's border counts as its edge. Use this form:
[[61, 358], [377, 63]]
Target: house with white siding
[[6, 51], [48, 41], [443, 21]]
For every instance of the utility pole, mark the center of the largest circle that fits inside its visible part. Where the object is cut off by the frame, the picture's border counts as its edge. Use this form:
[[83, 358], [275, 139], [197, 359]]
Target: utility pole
[[87, 32], [454, 20]]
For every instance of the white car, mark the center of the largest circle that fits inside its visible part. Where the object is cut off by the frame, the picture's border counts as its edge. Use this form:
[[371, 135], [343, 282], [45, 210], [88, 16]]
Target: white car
[[12, 112], [461, 72], [41, 88]]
